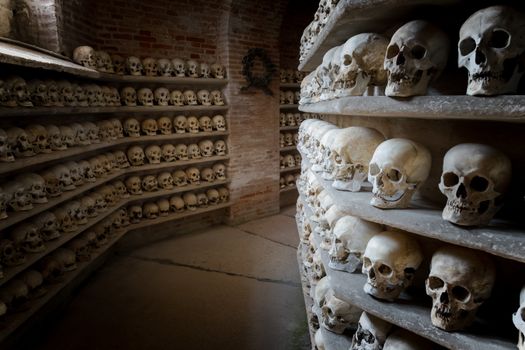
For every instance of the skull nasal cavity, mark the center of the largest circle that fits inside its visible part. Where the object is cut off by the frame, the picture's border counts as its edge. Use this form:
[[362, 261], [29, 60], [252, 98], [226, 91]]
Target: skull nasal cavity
[[480, 57], [400, 60], [461, 192]]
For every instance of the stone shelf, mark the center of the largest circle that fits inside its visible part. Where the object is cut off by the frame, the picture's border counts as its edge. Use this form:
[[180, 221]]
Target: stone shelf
[[509, 108], [284, 128], [288, 189], [61, 156], [289, 106], [286, 170], [308, 302], [287, 148], [66, 111], [334, 341], [351, 17], [500, 238], [290, 85], [16, 217]]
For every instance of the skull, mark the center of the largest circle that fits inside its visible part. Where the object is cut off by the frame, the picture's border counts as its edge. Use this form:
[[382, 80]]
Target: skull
[[212, 196], [289, 161], [162, 96], [176, 98], [38, 93], [35, 186], [80, 247], [203, 96], [132, 127], [117, 128], [118, 64], [100, 203], [66, 258], [109, 193], [77, 212], [168, 152], [165, 67], [475, 178], [19, 142], [153, 154], [181, 124], [95, 96], [179, 67], [491, 46], [149, 127], [121, 189], [145, 97], [335, 315], [103, 61], [519, 320], [150, 183], [217, 71], [460, 280], [85, 56], [181, 152], [88, 202], [349, 239], [9, 255], [150, 210], [289, 97], [136, 155], [81, 137], [193, 124], [64, 220], [205, 124], [164, 207], [87, 171], [135, 214], [220, 171], [202, 200], [165, 125], [190, 98], [25, 236], [290, 119], [396, 170], [208, 174], [204, 70], [17, 196], [192, 69], [91, 131], [288, 139], [180, 178], [165, 180], [206, 147], [150, 66], [290, 180], [51, 269], [34, 282], [68, 135], [114, 97], [75, 172], [224, 194], [134, 186], [371, 333], [219, 147], [190, 201], [107, 95], [53, 187], [219, 123], [80, 95], [402, 339], [194, 176], [177, 204], [15, 295], [134, 66], [129, 96], [416, 55], [390, 261], [282, 120], [6, 154], [47, 225], [105, 163], [216, 98]]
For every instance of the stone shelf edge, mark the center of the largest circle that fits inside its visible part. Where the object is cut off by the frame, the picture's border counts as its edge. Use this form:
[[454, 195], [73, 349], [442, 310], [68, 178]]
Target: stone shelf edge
[[16, 217], [10, 272], [308, 302], [351, 17], [288, 189], [290, 85], [48, 111], [509, 108], [288, 106], [283, 128], [288, 148], [61, 156], [285, 170], [11, 53]]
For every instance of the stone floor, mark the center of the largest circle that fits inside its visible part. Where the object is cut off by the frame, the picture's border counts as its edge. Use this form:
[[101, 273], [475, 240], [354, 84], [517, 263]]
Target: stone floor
[[222, 288]]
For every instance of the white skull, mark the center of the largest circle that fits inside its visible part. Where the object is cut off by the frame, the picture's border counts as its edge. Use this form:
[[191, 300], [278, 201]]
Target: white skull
[[165, 180], [121, 189], [153, 153], [132, 127], [208, 174], [168, 152], [150, 183], [20, 92], [92, 131], [65, 89], [150, 67], [204, 70], [25, 236], [216, 97], [134, 185], [217, 71], [135, 213], [224, 194], [6, 154], [180, 124], [165, 67], [519, 320], [177, 204], [290, 180], [475, 178], [282, 120], [134, 66], [396, 170], [118, 129], [162, 96], [181, 152], [145, 97], [288, 139], [165, 125], [289, 161], [80, 95], [107, 94], [206, 147], [349, 239], [336, 315], [149, 127], [103, 61], [460, 280], [176, 98], [19, 142], [118, 64], [64, 220], [361, 64], [81, 137], [325, 74], [164, 207], [76, 173], [35, 186], [205, 124], [416, 55], [68, 135], [109, 193], [390, 262], [129, 96], [189, 98], [95, 96], [289, 97], [192, 124], [179, 67], [203, 96], [491, 46], [218, 123], [88, 202], [114, 97], [190, 201], [136, 155], [97, 167], [85, 56], [194, 175], [180, 178], [202, 200], [64, 177], [77, 212], [402, 339], [38, 137], [192, 69], [219, 147], [371, 333], [213, 196], [47, 225]]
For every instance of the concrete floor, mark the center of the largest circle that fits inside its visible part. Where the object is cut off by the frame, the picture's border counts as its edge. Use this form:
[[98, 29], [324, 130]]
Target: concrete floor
[[222, 288]]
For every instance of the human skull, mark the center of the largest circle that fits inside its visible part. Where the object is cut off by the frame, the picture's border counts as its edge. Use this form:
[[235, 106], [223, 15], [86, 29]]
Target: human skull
[[145, 97], [76, 173], [289, 97], [288, 139], [217, 71], [35, 186], [518, 318], [94, 93], [220, 171], [106, 93], [34, 282], [118, 129], [135, 213], [336, 315], [162, 96], [133, 184], [177, 204], [164, 207], [105, 163], [47, 225], [53, 187], [165, 180], [150, 67], [371, 333], [224, 194], [19, 142], [118, 64], [212, 196], [176, 98], [85, 56], [150, 210], [202, 200], [121, 189], [290, 119], [165, 125], [68, 135], [17, 196], [216, 98], [51, 269], [165, 68], [129, 96], [460, 280], [132, 127], [190, 98], [192, 67], [14, 295], [26, 237], [491, 46], [103, 61], [109, 193], [204, 70], [396, 170], [203, 96], [206, 147], [194, 176], [180, 124], [77, 212], [475, 178], [290, 180], [402, 339], [149, 127], [134, 66], [289, 161], [6, 154], [349, 239], [38, 93], [114, 97], [81, 137], [180, 178], [179, 67], [150, 183], [100, 203], [89, 203], [190, 201], [168, 152], [219, 147], [92, 131], [416, 55], [181, 152], [66, 258], [205, 124], [136, 155], [390, 262], [208, 175], [153, 153], [80, 247], [282, 120], [192, 124], [9, 255], [64, 220], [80, 95]]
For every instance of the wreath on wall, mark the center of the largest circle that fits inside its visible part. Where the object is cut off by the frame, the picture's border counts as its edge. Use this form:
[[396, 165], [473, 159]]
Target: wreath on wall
[[260, 82]]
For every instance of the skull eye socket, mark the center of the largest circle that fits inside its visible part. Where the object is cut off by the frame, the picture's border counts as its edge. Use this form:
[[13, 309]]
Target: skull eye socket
[[392, 51], [385, 270], [394, 175], [347, 60], [367, 263], [460, 293], [479, 184], [499, 39], [450, 179], [435, 283], [374, 169], [418, 52], [466, 46]]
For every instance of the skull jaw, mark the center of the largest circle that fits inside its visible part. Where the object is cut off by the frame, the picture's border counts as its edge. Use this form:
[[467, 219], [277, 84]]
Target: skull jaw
[[333, 325], [490, 84], [385, 291], [34, 247], [398, 200], [467, 214], [353, 84], [7, 157], [50, 235], [404, 84], [40, 199], [451, 319]]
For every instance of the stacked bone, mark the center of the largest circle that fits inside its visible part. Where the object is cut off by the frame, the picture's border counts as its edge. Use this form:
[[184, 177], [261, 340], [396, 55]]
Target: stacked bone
[[288, 180], [289, 97], [149, 66], [295, 119], [290, 76]]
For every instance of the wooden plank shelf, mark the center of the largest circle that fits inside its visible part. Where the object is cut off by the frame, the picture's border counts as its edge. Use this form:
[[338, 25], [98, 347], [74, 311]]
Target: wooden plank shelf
[[286, 170], [288, 148], [16, 217], [288, 189], [61, 156], [67, 111], [285, 128], [290, 85], [289, 106], [509, 108]]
